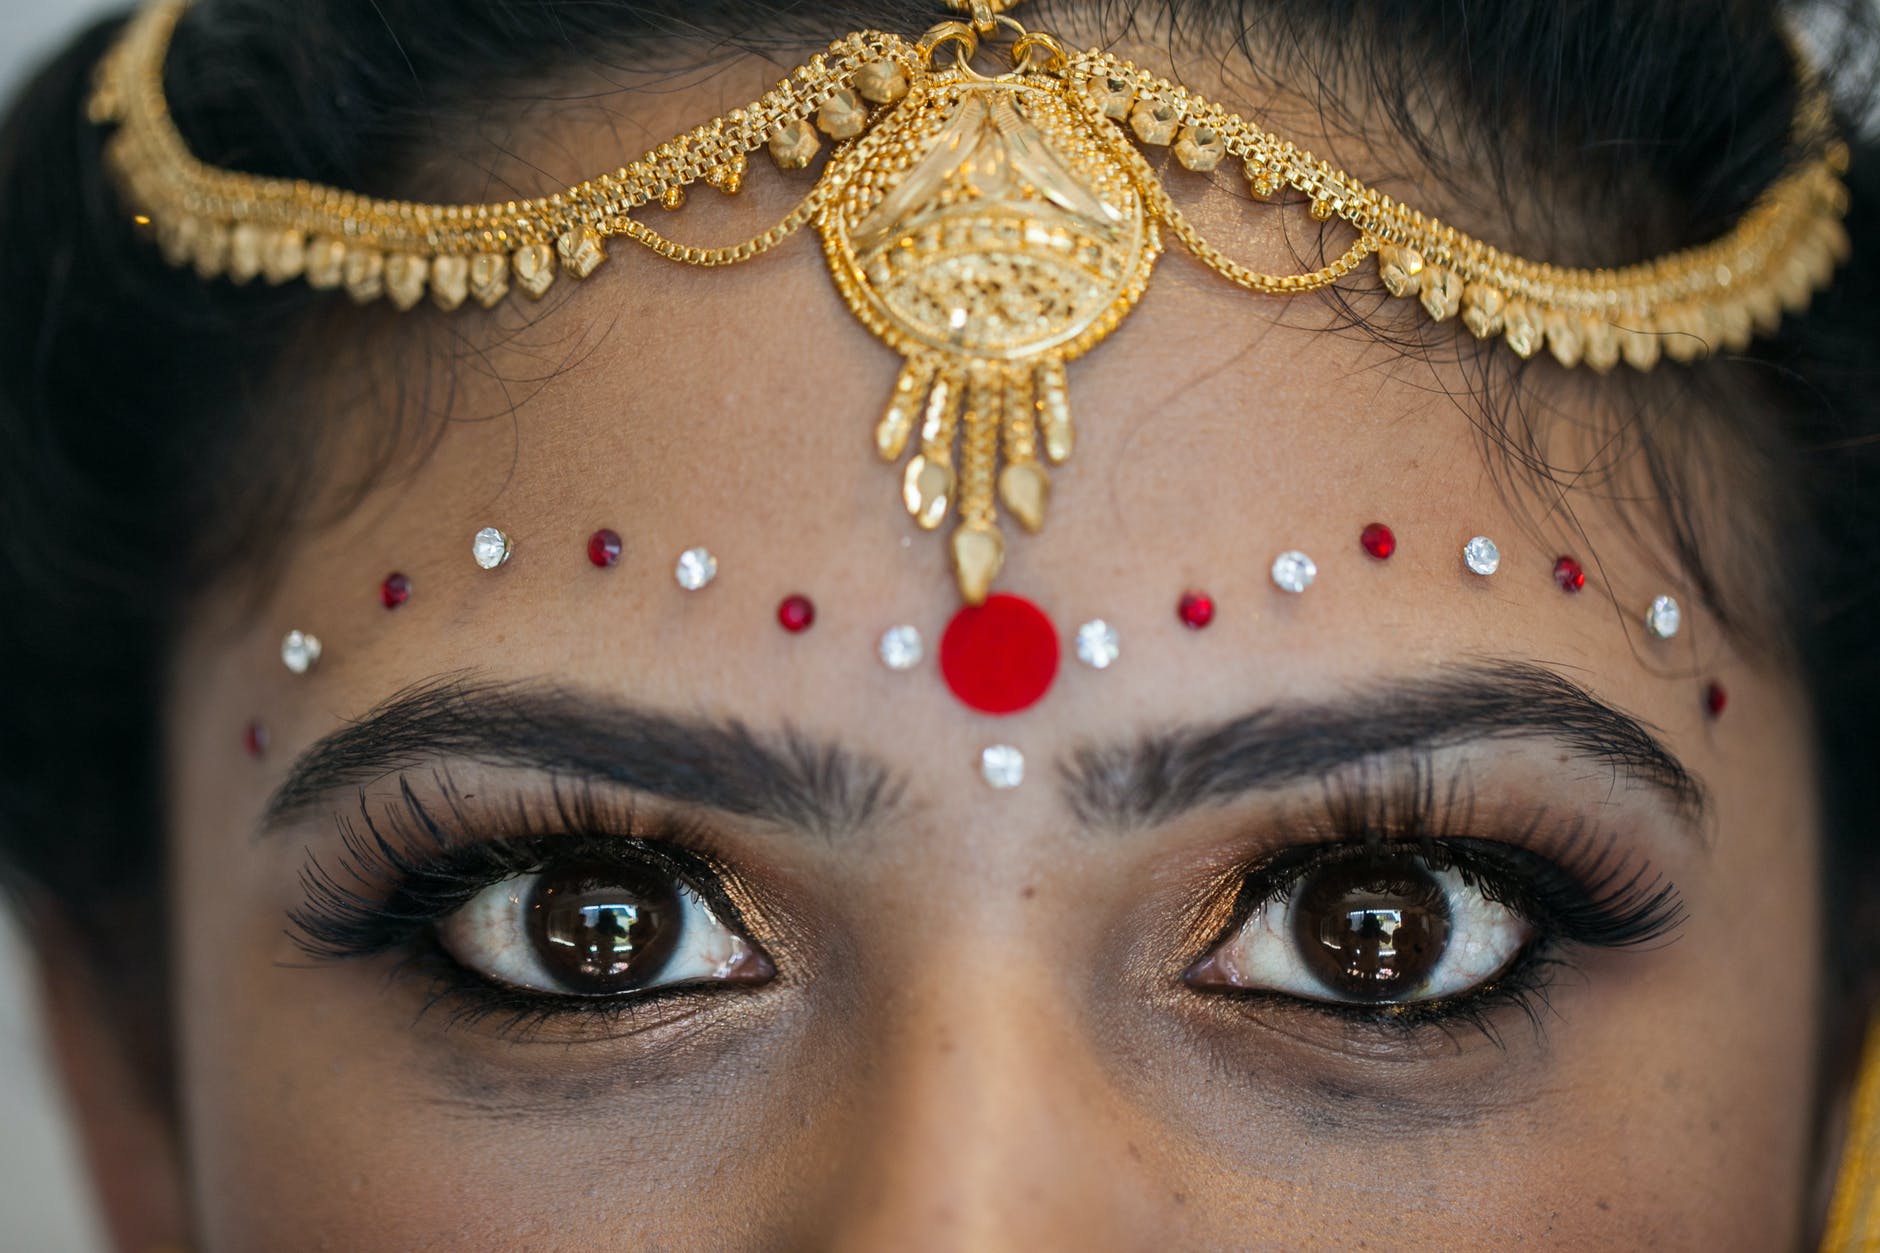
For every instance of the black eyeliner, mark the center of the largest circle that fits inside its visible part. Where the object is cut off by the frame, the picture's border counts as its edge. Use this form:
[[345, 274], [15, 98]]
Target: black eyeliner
[[405, 865]]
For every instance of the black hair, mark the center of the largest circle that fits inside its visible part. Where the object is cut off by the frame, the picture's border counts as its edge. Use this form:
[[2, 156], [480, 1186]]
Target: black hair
[[148, 449]]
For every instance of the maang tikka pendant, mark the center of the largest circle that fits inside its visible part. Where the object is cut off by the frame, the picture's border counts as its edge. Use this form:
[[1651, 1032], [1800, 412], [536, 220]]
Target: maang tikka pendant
[[990, 230]]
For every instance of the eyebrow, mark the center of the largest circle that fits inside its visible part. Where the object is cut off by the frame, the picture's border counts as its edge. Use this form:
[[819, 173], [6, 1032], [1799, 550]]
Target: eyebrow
[[783, 777], [1163, 774]]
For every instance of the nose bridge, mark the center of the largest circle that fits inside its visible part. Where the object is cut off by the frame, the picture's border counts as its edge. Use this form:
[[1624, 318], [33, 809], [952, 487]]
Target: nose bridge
[[987, 1124]]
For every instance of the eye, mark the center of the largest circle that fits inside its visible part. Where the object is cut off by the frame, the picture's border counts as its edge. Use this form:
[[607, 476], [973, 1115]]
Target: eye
[[1374, 928], [597, 930]]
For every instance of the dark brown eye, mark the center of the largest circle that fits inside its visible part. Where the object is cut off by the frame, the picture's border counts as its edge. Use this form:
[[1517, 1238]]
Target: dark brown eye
[[604, 929], [1371, 929]]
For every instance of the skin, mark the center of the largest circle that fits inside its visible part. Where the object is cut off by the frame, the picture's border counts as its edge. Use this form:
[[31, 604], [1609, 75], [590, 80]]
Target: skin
[[979, 1035]]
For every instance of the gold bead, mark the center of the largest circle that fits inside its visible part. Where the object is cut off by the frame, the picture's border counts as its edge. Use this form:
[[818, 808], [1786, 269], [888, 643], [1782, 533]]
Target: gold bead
[[927, 491], [1401, 269], [1154, 121], [1323, 207], [1115, 96], [1639, 348], [1734, 328], [978, 555], [1565, 338], [244, 252], [728, 175], [1200, 148], [843, 115], [1442, 292], [285, 257], [450, 281], [1683, 333], [793, 145], [1261, 182], [1840, 247], [880, 82], [365, 274], [1482, 308], [672, 198], [326, 263], [1601, 351], [176, 239], [1521, 328], [1793, 283], [1765, 308], [405, 275], [534, 266], [489, 278], [1025, 489], [211, 254], [580, 250]]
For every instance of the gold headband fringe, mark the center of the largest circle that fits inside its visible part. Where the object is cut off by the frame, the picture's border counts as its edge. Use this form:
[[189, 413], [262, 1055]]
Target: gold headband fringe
[[988, 228]]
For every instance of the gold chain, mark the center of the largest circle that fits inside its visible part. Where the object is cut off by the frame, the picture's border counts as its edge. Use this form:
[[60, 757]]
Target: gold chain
[[1685, 304]]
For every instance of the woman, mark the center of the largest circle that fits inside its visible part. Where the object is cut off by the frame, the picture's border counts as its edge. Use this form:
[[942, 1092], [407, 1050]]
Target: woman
[[488, 772]]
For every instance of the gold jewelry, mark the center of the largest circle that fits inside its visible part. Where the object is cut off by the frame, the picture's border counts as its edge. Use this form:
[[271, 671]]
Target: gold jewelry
[[988, 228], [1854, 1216]]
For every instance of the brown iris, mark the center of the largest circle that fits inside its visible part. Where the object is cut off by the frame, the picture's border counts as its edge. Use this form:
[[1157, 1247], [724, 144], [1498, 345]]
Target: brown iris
[[1371, 929], [600, 930]]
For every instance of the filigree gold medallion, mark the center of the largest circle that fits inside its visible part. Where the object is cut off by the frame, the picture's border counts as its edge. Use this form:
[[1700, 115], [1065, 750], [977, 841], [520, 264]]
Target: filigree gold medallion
[[989, 233]]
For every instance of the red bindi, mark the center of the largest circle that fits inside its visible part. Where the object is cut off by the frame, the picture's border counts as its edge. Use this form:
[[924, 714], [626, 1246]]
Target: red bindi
[[1569, 574], [795, 614], [395, 591], [1195, 609], [999, 657], [604, 548], [1715, 698], [255, 739], [1378, 540]]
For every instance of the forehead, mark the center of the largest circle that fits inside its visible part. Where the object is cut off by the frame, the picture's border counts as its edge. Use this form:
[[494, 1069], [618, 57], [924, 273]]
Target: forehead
[[734, 410]]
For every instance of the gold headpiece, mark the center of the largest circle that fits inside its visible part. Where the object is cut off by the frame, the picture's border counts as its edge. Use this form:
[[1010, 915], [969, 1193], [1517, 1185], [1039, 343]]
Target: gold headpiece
[[988, 228]]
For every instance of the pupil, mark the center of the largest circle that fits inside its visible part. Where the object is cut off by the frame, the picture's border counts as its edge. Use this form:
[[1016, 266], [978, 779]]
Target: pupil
[[601, 930], [1371, 929]]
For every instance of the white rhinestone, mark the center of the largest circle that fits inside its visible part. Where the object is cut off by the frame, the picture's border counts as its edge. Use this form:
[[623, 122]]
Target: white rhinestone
[[696, 568], [1481, 555], [901, 648], [299, 651], [1663, 618], [1097, 645], [1293, 571], [1002, 766], [490, 548]]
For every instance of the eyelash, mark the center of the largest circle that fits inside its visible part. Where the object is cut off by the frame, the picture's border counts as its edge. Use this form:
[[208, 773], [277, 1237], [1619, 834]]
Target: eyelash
[[401, 870], [1584, 891]]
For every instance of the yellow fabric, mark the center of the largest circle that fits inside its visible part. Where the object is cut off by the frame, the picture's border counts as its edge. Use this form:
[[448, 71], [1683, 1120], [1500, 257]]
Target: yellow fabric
[[1854, 1220]]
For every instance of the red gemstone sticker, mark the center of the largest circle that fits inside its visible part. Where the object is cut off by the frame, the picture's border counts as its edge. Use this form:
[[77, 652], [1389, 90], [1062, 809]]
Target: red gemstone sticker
[[255, 739], [1715, 698], [395, 591], [999, 657], [795, 614], [1378, 540], [604, 548], [1569, 574], [1196, 610]]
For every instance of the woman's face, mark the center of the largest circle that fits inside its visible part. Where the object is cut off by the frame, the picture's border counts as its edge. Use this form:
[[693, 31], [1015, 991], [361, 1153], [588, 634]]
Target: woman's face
[[1132, 1001]]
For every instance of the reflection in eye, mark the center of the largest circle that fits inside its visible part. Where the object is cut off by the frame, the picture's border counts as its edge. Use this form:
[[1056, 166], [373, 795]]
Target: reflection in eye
[[595, 930], [1375, 928]]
